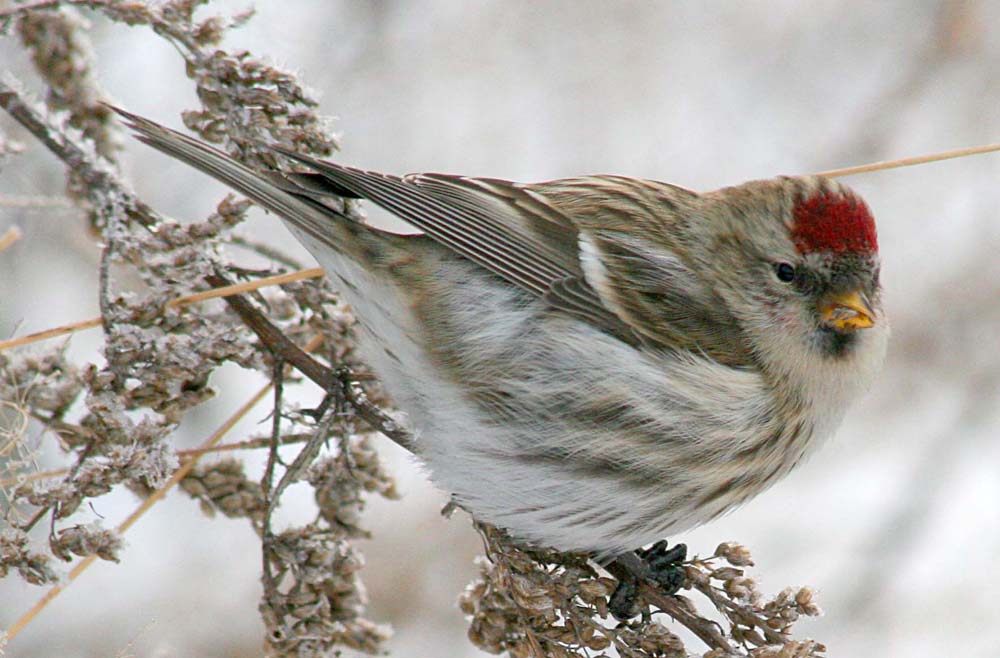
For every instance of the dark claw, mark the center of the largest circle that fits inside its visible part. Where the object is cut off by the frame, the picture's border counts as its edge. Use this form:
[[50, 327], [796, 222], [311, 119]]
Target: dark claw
[[670, 579], [658, 556], [665, 565], [658, 547], [658, 564]]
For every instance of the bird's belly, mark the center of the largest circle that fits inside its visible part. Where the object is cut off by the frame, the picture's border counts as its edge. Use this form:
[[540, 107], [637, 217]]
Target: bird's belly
[[547, 427]]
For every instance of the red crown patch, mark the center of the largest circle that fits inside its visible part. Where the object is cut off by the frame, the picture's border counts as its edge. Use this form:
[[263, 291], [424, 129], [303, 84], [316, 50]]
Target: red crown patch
[[833, 222]]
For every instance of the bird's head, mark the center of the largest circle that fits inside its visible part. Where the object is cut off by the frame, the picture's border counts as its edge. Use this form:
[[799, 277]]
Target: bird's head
[[796, 260]]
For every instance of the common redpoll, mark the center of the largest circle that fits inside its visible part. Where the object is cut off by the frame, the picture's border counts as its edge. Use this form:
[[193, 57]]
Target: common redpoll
[[597, 362]]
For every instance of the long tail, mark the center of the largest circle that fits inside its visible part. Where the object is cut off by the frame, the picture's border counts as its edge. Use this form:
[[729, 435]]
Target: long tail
[[318, 221]]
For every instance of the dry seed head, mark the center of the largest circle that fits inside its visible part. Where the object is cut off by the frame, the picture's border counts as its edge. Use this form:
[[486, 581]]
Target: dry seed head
[[87, 540], [590, 590], [766, 652], [735, 554], [726, 573], [741, 588]]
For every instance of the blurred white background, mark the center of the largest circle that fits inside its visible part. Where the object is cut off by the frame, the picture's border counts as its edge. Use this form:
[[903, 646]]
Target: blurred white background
[[895, 522]]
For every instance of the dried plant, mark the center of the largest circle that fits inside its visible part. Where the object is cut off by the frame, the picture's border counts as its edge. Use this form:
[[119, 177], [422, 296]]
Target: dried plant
[[114, 423], [531, 602]]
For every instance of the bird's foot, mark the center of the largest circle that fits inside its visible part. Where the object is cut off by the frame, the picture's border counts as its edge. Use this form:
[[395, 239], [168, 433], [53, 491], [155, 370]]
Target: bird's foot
[[657, 564], [665, 565]]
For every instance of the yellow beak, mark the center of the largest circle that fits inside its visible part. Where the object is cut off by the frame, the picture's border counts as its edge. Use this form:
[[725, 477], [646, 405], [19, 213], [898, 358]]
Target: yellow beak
[[847, 311]]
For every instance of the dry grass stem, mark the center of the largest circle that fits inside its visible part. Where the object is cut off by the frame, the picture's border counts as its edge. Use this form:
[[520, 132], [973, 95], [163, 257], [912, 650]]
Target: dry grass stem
[[909, 162], [29, 7], [49, 333], [237, 288], [143, 507], [9, 237], [180, 302], [35, 202], [115, 422], [183, 455]]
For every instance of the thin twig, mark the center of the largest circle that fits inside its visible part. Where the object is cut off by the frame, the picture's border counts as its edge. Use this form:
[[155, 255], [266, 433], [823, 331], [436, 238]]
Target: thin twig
[[375, 416], [305, 457], [271, 497], [707, 631], [909, 162], [237, 288], [325, 377], [35, 6], [146, 504], [13, 431], [274, 339], [94, 171], [183, 455], [267, 251], [180, 302], [50, 333], [719, 601], [106, 304]]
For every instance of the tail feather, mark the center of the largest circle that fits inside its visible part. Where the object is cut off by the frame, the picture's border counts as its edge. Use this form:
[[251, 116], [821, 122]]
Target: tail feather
[[317, 220]]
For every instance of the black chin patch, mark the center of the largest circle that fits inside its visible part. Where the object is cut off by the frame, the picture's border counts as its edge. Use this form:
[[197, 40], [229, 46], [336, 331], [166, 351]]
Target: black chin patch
[[835, 344]]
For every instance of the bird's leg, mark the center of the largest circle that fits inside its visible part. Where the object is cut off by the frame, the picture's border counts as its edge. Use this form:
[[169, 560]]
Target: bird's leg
[[629, 569], [657, 564]]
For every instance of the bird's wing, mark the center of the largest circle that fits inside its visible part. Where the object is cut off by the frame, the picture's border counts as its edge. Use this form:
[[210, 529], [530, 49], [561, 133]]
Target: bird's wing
[[530, 235], [661, 298], [501, 226], [460, 224], [527, 234]]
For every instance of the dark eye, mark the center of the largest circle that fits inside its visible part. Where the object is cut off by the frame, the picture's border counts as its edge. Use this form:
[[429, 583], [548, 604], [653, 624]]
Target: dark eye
[[785, 272]]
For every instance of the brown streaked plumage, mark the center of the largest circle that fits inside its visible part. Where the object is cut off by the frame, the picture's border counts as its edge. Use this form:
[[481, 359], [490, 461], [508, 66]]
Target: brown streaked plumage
[[599, 361]]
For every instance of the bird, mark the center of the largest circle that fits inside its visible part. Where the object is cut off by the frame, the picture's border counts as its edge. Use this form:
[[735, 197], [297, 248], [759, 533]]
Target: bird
[[593, 363]]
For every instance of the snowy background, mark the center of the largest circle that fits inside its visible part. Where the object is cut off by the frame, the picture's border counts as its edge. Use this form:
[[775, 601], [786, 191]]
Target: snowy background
[[895, 521]]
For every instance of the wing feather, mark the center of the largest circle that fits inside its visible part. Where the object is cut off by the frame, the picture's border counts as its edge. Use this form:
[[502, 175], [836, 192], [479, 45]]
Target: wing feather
[[512, 231], [527, 234], [466, 231], [665, 301]]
